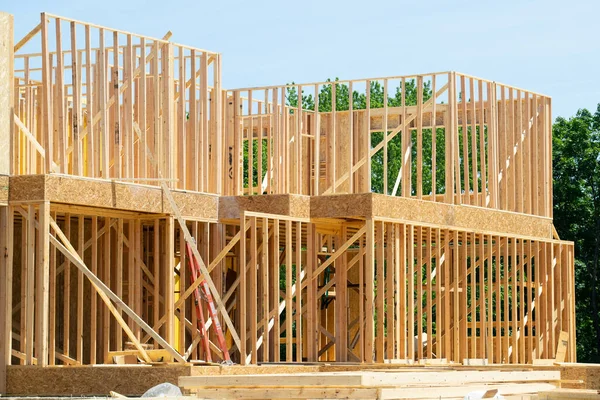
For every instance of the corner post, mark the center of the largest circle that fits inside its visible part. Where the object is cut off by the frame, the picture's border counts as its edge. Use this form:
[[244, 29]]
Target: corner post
[[6, 91]]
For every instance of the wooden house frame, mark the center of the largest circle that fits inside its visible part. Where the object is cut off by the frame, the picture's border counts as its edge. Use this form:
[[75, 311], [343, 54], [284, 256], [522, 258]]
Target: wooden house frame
[[345, 228]]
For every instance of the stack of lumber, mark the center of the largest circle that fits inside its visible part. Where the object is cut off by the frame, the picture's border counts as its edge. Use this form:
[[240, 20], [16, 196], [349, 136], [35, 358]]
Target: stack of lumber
[[394, 384]]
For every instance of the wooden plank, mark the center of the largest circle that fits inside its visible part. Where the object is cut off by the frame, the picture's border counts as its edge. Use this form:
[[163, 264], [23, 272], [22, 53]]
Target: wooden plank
[[27, 334], [264, 264], [169, 278], [242, 302], [448, 145], [429, 293], [410, 243], [458, 348], [482, 140], [119, 278], [316, 159], [290, 393], [401, 261], [80, 305], [473, 133], [391, 284], [183, 278], [61, 132], [385, 135], [42, 282], [472, 254], [311, 292], [299, 275], [129, 167], [106, 278], [94, 297], [508, 267], [499, 356], [433, 144], [420, 136], [52, 306], [446, 304], [276, 260], [116, 113], [76, 113], [181, 117], [92, 148], [218, 128], [490, 309], [419, 273], [406, 167], [288, 290], [439, 343], [253, 292], [47, 114], [380, 297], [465, 142], [369, 231], [6, 298], [362, 379], [168, 111], [250, 142], [351, 141]]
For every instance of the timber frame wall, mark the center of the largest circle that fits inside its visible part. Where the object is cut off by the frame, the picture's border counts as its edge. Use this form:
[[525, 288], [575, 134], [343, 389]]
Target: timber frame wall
[[414, 228]]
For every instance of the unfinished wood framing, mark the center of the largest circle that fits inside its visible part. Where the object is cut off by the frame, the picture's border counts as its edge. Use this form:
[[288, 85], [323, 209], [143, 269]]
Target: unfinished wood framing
[[396, 219]]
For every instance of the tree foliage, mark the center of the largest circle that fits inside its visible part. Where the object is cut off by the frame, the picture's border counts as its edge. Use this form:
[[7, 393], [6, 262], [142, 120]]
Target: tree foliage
[[576, 162]]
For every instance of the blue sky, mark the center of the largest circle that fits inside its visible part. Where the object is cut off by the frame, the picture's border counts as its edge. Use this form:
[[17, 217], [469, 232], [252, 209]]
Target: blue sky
[[546, 46]]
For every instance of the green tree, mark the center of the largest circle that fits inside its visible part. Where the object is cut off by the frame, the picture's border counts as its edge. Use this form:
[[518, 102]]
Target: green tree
[[576, 162]]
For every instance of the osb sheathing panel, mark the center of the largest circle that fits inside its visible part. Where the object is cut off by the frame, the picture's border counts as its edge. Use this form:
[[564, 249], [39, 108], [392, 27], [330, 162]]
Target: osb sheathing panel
[[230, 207], [299, 206], [27, 188], [588, 373], [466, 217], [502, 221], [341, 206], [421, 211], [89, 380], [107, 194], [4, 189]]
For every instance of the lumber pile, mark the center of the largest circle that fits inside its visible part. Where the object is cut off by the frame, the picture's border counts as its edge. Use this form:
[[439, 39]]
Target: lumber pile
[[406, 384]]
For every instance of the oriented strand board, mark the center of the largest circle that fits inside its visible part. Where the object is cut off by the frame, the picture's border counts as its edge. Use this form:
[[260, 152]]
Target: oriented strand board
[[341, 206], [588, 373], [27, 188], [110, 194], [230, 207], [89, 380], [431, 213], [4, 189]]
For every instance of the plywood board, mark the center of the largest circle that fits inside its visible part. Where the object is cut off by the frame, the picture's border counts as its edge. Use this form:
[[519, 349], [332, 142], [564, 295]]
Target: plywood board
[[4, 180], [106, 194], [231, 207], [89, 380]]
